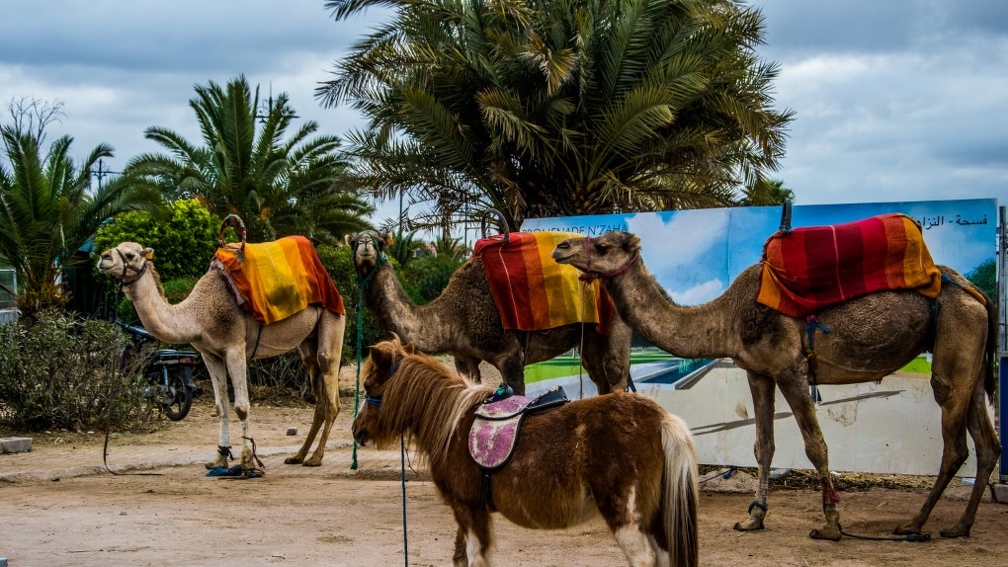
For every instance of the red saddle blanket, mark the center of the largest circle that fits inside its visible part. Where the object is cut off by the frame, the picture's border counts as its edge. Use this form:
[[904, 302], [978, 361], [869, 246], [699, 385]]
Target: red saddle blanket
[[275, 280], [809, 269], [532, 291]]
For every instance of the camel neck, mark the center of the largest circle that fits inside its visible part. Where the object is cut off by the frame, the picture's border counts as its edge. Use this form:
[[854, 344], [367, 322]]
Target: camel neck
[[423, 325], [160, 318], [702, 331]]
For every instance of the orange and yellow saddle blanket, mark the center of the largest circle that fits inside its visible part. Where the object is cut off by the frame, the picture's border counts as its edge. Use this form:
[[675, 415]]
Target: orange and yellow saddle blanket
[[532, 291], [275, 280], [809, 269]]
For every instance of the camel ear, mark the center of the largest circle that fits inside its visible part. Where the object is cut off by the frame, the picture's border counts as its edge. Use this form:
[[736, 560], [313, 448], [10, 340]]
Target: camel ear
[[633, 243], [388, 239], [348, 239], [148, 253], [410, 348]]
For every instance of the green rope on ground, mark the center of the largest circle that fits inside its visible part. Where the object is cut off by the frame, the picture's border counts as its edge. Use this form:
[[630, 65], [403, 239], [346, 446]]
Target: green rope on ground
[[360, 339]]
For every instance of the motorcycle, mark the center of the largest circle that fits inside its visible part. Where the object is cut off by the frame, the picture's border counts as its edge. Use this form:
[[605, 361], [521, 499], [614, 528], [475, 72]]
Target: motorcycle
[[169, 372]]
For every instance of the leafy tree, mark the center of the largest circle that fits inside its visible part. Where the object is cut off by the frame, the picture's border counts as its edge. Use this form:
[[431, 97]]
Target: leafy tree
[[49, 208], [247, 165], [184, 241], [984, 277], [559, 107]]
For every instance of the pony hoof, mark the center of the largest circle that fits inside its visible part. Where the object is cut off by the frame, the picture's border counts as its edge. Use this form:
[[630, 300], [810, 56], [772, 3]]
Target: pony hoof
[[831, 534], [958, 531]]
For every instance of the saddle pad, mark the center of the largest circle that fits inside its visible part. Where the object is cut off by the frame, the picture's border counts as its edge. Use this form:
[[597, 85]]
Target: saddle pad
[[809, 269], [532, 291], [275, 280], [494, 433]]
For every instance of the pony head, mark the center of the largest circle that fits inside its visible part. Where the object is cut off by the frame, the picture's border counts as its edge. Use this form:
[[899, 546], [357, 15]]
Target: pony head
[[377, 371]]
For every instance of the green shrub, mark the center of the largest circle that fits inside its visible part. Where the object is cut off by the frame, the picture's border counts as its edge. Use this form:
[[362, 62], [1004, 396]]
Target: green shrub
[[430, 275], [64, 372]]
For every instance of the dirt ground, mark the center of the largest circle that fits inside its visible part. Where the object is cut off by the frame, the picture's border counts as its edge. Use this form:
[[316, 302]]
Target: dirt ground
[[60, 506]]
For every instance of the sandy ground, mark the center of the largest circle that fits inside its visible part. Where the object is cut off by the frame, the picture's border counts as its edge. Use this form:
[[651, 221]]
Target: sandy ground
[[59, 505]]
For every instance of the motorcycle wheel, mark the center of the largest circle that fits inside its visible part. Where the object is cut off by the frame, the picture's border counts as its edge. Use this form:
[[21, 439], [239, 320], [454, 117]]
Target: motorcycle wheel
[[180, 405]]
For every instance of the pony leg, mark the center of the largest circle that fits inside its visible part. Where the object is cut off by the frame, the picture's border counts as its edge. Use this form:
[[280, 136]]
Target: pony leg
[[474, 538], [218, 380], [636, 546], [762, 388], [794, 386]]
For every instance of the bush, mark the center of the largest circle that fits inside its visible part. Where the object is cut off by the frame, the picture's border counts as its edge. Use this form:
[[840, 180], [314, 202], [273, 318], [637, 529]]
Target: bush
[[63, 372]]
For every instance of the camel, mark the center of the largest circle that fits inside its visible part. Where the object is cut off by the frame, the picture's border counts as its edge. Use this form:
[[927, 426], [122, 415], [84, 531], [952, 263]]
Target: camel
[[212, 322], [464, 322], [871, 337]]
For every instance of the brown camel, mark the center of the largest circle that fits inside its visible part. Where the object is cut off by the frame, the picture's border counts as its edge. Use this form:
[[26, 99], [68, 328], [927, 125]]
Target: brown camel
[[870, 337], [464, 322], [212, 322]]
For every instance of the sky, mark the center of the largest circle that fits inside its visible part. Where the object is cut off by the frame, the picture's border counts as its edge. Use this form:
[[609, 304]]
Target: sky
[[894, 100]]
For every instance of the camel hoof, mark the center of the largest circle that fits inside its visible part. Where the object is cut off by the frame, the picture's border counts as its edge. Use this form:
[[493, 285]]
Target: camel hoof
[[908, 529], [293, 460], [827, 533], [958, 531], [312, 463], [750, 525]]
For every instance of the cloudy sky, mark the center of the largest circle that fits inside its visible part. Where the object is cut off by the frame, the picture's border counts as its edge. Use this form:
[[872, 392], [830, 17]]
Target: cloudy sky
[[895, 100]]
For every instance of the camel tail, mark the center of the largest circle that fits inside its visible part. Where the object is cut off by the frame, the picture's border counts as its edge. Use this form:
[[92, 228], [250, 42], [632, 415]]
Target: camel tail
[[991, 349], [680, 493]]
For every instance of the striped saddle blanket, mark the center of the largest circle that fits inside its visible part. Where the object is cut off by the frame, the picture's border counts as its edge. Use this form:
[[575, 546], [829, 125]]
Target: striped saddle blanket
[[809, 269], [532, 291], [275, 280]]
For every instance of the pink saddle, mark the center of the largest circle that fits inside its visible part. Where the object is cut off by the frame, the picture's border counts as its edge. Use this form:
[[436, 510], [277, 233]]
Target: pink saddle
[[494, 433]]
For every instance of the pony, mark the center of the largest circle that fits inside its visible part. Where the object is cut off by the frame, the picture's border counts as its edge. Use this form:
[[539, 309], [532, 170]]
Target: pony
[[619, 455]]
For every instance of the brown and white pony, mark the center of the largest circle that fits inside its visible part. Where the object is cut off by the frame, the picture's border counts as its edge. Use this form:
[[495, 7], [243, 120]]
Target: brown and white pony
[[621, 455]]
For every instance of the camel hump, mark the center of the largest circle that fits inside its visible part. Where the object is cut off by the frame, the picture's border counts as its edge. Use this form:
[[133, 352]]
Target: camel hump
[[809, 269]]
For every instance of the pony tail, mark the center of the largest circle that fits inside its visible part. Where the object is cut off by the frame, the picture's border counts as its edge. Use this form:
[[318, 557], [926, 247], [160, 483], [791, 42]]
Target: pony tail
[[680, 492]]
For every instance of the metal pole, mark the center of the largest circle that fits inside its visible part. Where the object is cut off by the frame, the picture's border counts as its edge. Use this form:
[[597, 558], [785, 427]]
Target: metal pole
[[1002, 401]]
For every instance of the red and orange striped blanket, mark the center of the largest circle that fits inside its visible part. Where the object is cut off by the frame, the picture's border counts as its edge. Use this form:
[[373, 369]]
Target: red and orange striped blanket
[[809, 269], [532, 291], [275, 280]]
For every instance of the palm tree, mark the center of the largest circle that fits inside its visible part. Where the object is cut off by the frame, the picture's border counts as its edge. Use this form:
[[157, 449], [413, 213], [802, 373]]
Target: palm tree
[[560, 107], [49, 209], [246, 165]]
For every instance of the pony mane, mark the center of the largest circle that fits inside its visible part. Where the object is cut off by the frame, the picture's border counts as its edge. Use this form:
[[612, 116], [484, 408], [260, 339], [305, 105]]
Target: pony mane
[[426, 400]]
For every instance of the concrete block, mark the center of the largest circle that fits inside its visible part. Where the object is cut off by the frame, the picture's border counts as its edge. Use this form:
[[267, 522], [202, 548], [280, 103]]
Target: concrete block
[[1000, 493], [15, 445]]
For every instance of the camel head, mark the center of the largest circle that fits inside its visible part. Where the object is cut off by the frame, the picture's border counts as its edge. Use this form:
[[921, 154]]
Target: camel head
[[126, 262], [368, 250], [606, 255]]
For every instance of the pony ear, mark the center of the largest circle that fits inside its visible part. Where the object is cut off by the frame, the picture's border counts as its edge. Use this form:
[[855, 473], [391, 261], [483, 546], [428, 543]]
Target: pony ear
[[148, 253], [381, 356], [410, 348]]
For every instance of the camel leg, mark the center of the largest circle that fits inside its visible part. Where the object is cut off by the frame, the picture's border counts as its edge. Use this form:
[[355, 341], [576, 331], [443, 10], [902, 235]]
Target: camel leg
[[308, 353], [325, 381], [763, 391], [218, 379], [988, 448], [605, 359], [474, 538], [235, 360], [468, 367], [513, 373], [795, 388], [954, 413]]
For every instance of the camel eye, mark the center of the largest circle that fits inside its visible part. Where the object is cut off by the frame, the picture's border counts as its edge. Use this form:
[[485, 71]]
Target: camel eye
[[602, 248], [130, 255]]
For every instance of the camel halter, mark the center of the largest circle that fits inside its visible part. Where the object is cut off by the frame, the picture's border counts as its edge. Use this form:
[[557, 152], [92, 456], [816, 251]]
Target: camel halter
[[590, 275], [127, 268]]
